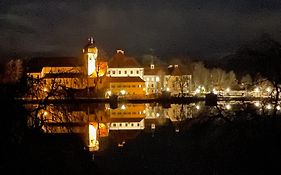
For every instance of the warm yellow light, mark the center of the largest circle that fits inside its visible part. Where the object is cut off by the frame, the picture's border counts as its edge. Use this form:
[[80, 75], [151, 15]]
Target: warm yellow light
[[227, 89], [268, 106], [257, 104], [109, 93], [197, 107], [157, 114], [93, 142], [228, 106], [168, 89], [157, 79], [45, 89], [123, 107], [123, 92], [45, 113], [257, 89], [215, 91], [268, 89]]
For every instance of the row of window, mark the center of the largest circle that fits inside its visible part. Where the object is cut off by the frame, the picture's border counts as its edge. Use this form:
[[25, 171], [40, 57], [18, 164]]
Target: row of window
[[125, 86], [120, 72], [126, 113], [126, 124]]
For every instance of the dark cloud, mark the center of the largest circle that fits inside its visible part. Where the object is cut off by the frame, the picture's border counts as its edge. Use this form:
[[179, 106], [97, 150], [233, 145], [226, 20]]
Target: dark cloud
[[171, 28]]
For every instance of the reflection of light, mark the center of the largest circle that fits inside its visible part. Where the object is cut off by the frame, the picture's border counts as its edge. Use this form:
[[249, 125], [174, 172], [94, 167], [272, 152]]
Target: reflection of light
[[268, 106], [197, 107], [93, 142], [123, 106], [257, 104], [228, 106], [122, 92], [45, 113]]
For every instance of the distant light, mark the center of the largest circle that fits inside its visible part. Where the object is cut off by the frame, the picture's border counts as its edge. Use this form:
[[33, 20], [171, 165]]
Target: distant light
[[123, 107], [45, 113], [257, 104], [268, 89], [268, 106], [257, 89], [197, 107], [227, 89], [278, 107], [168, 89], [228, 106], [45, 89], [215, 91], [157, 114]]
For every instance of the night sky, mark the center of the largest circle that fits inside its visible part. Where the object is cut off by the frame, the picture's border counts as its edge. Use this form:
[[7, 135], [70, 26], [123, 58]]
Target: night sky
[[197, 28]]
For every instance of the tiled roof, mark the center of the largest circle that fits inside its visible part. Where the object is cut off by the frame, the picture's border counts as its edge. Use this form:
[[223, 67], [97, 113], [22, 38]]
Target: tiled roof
[[36, 64], [63, 75], [119, 60], [155, 71], [124, 119], [124, 79]]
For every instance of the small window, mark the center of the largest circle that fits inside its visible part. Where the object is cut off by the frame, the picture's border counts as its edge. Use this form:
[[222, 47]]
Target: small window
[[125, 72], [132, 124], [119, 71], [109, 72], [113, 72], [137, 72], [131, 72]]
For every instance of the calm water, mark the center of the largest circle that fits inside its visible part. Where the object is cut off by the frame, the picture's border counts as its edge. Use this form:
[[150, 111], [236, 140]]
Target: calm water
[[100, 122]]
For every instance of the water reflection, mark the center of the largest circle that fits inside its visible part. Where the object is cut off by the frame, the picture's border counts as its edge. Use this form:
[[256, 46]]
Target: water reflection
[[99, 122]]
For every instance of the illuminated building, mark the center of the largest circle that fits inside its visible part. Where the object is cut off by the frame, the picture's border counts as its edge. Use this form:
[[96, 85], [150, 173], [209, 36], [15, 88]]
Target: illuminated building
[[125, 86], [176, 80], [152, 77], [123, 66]]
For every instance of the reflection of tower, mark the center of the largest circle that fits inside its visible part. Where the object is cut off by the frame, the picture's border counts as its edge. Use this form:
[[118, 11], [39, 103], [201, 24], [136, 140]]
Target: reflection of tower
[[90, 53]]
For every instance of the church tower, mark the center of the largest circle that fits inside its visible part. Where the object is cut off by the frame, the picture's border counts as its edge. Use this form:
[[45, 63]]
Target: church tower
[[90, 53]]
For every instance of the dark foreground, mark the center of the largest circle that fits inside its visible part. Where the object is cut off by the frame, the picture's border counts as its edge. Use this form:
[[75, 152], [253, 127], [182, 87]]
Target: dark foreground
[[244, 145]]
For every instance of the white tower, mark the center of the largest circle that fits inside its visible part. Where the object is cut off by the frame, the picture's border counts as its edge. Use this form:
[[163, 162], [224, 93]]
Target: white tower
[[91, 53]]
